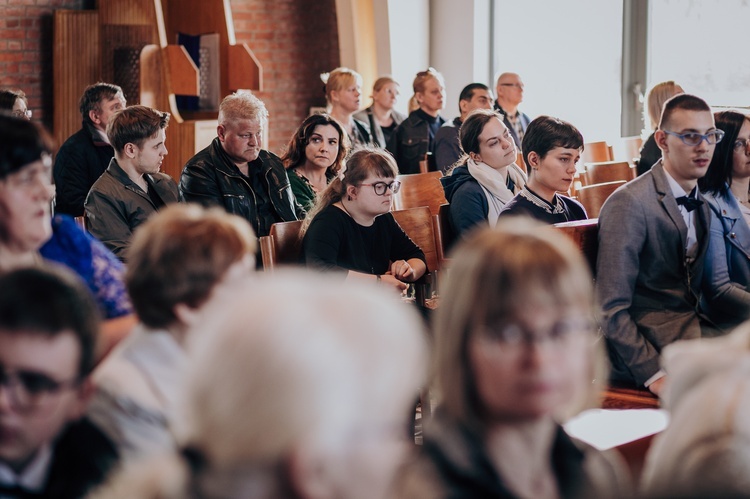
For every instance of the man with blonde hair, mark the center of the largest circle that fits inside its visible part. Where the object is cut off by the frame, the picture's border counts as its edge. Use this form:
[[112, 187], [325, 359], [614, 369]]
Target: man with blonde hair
[[234, 172]]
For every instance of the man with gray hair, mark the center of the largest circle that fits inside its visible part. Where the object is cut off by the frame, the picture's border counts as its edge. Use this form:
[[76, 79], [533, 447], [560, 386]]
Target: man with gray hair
[[234, 172]]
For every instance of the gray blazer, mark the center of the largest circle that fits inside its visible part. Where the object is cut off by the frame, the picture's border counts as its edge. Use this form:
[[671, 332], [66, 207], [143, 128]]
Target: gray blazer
[[649, 294], [727, 267]]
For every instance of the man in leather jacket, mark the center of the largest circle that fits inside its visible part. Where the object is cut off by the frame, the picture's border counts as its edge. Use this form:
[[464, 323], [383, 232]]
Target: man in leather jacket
[[234, 172]]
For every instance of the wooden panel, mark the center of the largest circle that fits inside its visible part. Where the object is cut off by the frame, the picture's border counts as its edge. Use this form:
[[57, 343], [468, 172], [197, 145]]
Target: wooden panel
[[182, 73], [128, 11], [245, 71], [417, 223], [592, 197], [420, 189], [608, 171], [596, 151], [585, 235], [283, 245], [75, 66]]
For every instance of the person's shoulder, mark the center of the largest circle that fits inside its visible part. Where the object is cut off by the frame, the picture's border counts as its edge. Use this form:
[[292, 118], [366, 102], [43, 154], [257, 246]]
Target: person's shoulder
[[80, 137], [363, 115], [268, 157]]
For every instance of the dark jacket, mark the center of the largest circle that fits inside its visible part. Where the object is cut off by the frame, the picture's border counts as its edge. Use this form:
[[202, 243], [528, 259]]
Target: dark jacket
[[82, 458], [468, 203], [79, 163], [453, 463], [410, 142], [210, 178], [650, 154], [116, 205], [447, 147]]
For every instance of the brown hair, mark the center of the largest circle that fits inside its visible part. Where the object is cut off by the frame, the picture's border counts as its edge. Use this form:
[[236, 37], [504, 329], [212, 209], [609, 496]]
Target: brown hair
[[419, 85], [135, 125], [359, 166], [295, 155], [657, 96], [9, 96], [92, 98], [179, 255], [685, 102], [496, 272]]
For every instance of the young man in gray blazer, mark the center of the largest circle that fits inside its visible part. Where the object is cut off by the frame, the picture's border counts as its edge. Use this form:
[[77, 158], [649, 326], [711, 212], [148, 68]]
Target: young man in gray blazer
[[653, 236]]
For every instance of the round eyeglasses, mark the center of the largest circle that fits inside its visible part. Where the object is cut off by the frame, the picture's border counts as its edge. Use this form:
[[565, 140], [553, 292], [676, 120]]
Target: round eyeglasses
[[741, 144], [30, 389], [26, 113], [381, 187], [695, 138]]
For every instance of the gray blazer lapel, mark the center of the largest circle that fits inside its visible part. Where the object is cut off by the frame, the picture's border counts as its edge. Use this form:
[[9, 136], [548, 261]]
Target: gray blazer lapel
[[667, 200]]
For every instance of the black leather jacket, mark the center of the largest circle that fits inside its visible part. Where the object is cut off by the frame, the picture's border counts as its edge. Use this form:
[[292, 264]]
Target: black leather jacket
[[410, 142], [211, 179]]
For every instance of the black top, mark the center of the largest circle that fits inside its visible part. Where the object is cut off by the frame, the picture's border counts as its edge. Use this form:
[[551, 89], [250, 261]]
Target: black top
[[433, 125], [562, 209], [335, 241], [650, 154], [267, 216]]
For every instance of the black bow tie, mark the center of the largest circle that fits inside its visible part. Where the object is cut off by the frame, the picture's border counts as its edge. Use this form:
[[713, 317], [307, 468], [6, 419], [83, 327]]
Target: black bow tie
[[18, 492], [690, 203]]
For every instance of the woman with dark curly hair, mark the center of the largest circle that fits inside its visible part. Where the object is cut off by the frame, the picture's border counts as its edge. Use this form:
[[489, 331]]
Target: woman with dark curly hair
[[315, 156]]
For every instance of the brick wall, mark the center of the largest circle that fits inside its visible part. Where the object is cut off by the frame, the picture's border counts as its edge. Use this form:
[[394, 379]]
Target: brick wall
[[294, 40]]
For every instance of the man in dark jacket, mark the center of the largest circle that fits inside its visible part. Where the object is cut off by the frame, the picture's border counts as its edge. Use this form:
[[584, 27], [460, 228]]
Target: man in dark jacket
[[234, 172], [85, 155], [131, 189], [48, 329]]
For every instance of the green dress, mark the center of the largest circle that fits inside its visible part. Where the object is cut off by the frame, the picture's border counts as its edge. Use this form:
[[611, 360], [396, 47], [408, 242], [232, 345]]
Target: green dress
[[303, 190]]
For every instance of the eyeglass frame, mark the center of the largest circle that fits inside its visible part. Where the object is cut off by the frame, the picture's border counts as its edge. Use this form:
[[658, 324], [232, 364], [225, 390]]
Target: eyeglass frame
[[512, 336], [22, 114], [394, 186], [519, 86], [14, 383], [741, 144], [703, 136]]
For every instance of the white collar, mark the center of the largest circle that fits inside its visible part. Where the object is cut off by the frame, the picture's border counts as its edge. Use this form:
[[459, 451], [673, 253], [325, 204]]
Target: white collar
[[34, 476], [677, 190]]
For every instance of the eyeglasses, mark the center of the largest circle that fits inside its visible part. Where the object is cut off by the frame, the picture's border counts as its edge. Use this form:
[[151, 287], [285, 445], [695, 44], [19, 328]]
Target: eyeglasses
[[381, 187], [514, 335], [695, 138], [741, 144], [29, 389], [22, 114], [517, 85]]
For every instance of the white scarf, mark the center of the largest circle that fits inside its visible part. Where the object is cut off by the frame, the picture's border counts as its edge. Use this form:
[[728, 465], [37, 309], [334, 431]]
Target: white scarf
[[493, 184]]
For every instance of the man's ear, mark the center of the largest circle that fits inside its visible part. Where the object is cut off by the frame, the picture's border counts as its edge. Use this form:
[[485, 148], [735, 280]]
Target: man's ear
[[83, 395], [462, 105], [306, 475], [94, 117], [661, 140], [221, 131], [130, 150]]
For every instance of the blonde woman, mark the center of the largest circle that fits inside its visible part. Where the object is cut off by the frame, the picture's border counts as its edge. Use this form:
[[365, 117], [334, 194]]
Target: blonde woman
[[515, 354], [381, 116], [415, 136], [343, 87], [657, 96]]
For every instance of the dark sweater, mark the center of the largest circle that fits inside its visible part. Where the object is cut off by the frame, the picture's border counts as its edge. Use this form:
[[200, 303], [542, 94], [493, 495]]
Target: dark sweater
[[335, 241], [562, 209]]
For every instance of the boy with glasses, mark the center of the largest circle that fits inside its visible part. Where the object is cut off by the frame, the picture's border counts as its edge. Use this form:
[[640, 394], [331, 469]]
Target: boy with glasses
[[48, 326], [653, 236]]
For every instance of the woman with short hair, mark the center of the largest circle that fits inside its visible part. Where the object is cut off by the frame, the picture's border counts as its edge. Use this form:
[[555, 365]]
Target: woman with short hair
[[343, 88]]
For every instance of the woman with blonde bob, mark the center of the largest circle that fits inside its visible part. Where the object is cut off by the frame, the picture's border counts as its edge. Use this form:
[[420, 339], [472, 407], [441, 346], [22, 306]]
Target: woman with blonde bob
[[293, 405], [514, 356], [343, 88], [657, 96]]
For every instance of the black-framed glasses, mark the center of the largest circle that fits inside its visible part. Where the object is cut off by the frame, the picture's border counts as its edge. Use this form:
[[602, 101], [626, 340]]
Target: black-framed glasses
[[695, 138], [22, 114], [30, 389], [741, 144], [519, 86], [381, 187]]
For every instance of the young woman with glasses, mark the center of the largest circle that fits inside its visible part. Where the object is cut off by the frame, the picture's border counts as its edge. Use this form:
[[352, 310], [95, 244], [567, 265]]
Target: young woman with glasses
[[515, 354], [351, 229], [725, 188]]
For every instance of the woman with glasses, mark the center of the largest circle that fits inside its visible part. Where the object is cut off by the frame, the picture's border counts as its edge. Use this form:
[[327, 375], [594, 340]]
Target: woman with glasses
[[315, 156], [29, 235], [350, 229], [515, 355], [487, 177], [725, 187], [657, 96], [15, 102], [381, 116], [343, 88], [415, 136]]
